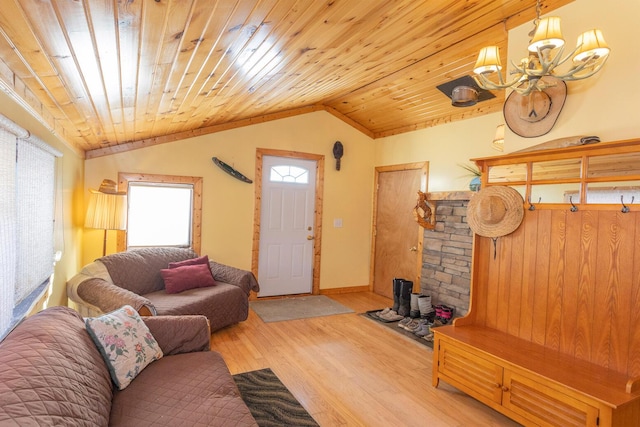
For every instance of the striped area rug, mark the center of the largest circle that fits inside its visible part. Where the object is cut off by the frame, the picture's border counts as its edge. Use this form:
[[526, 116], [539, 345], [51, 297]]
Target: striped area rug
[[269, 401]]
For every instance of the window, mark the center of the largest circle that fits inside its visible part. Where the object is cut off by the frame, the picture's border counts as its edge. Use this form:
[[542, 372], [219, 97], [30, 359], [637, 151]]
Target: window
[[27, 204], [285, 173], [163, 210], [164, 207]]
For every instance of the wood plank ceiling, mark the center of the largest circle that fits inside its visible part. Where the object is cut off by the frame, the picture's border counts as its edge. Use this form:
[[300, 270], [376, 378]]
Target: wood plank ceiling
[[113, 75]]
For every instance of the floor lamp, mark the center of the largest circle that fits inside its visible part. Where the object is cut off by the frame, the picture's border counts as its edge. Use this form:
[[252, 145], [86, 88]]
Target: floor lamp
[[107, 210]]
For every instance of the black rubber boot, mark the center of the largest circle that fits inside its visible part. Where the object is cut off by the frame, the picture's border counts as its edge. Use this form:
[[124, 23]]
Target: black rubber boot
[[397, 284], [406, 288]]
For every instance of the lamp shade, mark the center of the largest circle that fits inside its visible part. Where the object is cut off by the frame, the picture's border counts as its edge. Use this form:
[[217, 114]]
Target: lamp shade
[[548, 35], [488, 60], [498, 139], [106, 211], [591, 43]]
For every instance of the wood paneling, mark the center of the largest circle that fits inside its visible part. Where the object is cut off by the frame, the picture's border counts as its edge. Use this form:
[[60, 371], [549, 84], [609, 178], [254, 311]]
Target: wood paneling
[[577, 283], [109, 76]]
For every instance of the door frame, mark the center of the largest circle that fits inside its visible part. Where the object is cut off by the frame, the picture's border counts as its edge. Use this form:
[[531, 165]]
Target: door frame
[[317, 226], [424, 180]]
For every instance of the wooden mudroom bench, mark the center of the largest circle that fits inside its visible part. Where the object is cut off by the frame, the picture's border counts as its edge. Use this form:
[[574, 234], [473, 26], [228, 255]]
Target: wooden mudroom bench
[[531, 383], [552, 334]]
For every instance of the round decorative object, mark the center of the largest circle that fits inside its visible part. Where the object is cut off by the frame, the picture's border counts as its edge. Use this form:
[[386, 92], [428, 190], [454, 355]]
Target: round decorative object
[[495, 211], [475, 183], [536, 113]]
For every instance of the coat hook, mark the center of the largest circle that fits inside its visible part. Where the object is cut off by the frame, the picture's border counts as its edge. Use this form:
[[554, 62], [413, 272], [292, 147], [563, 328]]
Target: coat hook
[[625, 208], [531, 206], [574, 208]]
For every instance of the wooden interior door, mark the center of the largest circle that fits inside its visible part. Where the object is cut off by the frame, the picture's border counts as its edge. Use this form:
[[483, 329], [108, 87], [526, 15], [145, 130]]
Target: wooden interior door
[[397, 250]]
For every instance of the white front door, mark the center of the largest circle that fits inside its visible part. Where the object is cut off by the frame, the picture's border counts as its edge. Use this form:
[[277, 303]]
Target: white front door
[[285, 264]]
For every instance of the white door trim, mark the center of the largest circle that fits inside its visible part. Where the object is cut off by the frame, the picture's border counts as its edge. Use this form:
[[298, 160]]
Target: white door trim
[[317, 232]]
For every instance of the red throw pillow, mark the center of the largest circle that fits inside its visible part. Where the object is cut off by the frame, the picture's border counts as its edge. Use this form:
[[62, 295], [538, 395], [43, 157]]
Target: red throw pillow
[[187, 277], [191, 261]]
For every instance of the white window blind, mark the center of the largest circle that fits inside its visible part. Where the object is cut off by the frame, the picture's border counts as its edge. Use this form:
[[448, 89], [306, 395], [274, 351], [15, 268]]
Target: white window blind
[[7, 226], [35, 190], [27, 196]]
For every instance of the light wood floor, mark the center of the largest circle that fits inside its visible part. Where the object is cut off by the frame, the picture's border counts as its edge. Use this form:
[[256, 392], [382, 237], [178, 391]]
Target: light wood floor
[[347, 370]]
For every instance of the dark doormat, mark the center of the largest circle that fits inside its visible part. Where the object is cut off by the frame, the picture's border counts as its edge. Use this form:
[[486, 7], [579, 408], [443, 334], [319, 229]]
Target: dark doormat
[[269, 401], [394, 327]]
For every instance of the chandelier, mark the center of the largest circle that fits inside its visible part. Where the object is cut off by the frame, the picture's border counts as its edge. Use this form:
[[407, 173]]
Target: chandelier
[[545, 54]]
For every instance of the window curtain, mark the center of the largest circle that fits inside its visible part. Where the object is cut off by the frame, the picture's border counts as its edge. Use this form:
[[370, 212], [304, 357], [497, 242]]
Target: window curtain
[[27, 207]]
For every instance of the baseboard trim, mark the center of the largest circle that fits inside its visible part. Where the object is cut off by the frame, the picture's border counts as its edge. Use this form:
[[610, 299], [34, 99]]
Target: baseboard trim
[[348, 290]]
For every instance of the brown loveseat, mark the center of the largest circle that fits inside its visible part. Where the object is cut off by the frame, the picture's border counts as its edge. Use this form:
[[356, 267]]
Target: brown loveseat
[[133, 278], [52, 374]]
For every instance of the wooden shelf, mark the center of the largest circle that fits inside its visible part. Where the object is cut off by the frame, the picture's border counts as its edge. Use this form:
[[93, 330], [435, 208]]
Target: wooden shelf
[[450, 195]]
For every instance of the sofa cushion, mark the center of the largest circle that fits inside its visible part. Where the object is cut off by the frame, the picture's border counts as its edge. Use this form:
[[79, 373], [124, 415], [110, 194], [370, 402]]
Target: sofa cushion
[[51, 373], [139, 270], [200, 260], [125, 342], [223, 304], [179, 279], [194, 389]]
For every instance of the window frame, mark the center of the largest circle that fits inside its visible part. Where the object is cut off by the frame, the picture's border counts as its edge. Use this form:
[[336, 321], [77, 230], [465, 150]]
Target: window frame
[[196, 216]]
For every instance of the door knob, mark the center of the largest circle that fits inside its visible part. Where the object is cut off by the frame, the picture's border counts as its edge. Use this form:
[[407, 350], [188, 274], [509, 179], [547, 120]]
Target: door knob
[[309, 237], [413, 249]]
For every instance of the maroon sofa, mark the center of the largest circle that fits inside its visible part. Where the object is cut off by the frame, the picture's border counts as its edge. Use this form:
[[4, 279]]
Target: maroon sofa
[[133, 278], [52, 374]]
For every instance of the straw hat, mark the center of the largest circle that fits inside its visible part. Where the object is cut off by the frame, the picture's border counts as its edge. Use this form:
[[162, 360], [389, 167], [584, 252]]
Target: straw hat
[[495, 211], [108, 187], [535, 114]]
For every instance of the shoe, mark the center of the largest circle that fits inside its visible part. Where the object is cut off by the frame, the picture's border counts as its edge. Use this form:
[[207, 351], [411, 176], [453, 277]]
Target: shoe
[[447, 314], [438, 310], [397, 285], [415, 308], [415, 326], [423, 330], [428, 337], [382, 312], [424, 305], [391, 316], [437, 322], [405, 297], [404, 322], [408, 326]]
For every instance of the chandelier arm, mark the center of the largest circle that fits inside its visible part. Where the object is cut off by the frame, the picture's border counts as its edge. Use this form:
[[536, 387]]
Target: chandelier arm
[[556, 61], [486, 83], [572, 75]]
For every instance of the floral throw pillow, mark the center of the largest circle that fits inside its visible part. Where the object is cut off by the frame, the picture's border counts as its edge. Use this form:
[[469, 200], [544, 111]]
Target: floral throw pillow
[[125, 342]]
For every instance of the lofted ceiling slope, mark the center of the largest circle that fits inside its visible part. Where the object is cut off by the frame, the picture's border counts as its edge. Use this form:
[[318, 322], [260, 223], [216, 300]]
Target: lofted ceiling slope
[[113, 75]]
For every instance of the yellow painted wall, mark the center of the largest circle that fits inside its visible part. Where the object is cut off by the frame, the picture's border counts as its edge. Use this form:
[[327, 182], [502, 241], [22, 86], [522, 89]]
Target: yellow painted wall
[[72, 190], [228, 204], [605, 105]]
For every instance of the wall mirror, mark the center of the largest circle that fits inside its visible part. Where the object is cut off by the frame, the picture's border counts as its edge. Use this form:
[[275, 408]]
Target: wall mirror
[[508, 173]]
